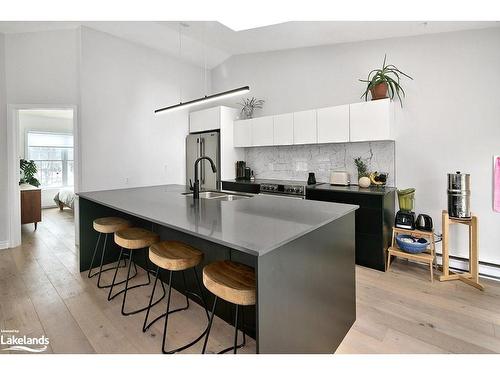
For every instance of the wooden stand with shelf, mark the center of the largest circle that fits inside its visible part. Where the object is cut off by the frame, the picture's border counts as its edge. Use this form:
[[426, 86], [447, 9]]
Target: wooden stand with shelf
[[427, 257], [471, 277]]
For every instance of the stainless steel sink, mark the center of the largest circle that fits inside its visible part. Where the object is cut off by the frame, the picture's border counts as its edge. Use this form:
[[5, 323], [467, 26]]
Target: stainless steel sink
[[224, 196]]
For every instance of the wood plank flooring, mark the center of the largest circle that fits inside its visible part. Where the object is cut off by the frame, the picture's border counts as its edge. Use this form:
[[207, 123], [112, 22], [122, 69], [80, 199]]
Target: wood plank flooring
[[42, 292]]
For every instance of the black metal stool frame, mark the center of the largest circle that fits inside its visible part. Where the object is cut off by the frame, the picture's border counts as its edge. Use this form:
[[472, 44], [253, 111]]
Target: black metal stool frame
[[101, 270], [200, 297], [235, 346], [124, 290]]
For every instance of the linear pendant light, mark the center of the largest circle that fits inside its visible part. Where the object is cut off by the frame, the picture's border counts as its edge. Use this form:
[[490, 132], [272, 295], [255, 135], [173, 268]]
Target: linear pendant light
[[206, 98]]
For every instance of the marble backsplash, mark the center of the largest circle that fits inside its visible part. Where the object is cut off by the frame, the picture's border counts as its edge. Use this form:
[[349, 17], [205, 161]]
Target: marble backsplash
[[294, 162]]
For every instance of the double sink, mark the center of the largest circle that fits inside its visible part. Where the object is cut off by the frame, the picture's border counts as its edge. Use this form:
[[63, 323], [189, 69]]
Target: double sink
[[220, 195]]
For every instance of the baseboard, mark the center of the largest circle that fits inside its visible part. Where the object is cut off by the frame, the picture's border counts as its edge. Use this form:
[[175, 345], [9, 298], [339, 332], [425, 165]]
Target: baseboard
[[4, 245], [489, 270]]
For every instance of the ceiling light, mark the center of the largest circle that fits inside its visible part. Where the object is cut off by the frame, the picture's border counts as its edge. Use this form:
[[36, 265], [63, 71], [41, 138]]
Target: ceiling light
[[206, 99]]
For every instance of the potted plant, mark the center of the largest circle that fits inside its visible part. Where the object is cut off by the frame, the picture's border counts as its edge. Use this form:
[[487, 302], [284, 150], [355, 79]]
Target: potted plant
[[384, 81], [28, 172], [362, 167], [248, 106]]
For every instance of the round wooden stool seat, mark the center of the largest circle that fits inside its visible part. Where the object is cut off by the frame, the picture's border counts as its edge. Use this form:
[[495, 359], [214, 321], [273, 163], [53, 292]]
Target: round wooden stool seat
[[110, 224], [231, 281], [135, 238], [174, 255]]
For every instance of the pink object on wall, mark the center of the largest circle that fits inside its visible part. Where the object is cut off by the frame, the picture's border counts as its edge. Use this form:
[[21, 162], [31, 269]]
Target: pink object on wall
[[496, 184]]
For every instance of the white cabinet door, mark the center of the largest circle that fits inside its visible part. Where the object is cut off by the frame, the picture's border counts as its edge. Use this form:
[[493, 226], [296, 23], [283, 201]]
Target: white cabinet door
[[242, 136], [206, 119], [333, 124], [304, 127], [371, 121], [262, 131], [283, 129]]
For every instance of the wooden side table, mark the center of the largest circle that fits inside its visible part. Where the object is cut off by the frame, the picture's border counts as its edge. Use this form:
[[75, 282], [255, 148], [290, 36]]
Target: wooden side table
[[427, 257], [31, 204], [471, 277]]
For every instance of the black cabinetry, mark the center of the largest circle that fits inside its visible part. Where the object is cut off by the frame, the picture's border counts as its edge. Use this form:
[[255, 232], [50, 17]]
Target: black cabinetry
[[374, 218]]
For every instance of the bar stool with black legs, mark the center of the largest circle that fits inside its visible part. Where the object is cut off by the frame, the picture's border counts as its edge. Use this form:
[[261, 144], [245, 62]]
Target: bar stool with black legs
[[106, 226], [133, 240], [234, 283], [175, 256]]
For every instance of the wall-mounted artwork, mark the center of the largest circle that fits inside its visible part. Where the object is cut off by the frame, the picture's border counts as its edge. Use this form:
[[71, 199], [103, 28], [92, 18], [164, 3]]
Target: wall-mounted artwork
[[496, 183]]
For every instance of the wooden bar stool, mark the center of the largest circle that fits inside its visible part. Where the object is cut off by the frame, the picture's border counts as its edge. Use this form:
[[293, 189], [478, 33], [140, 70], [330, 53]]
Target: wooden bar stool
[[235, 283], [133, 239], [174, 256], [105, 225]]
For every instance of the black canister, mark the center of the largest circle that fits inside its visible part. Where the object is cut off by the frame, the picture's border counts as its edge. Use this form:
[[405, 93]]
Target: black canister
[[311, 180]]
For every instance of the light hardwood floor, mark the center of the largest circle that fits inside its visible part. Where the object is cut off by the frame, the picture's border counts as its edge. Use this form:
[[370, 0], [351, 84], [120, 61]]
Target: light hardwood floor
[[42, 292]]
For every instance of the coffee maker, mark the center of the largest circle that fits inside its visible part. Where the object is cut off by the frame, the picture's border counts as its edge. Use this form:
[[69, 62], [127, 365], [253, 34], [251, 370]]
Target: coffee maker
[[405, 217], [240, 170]]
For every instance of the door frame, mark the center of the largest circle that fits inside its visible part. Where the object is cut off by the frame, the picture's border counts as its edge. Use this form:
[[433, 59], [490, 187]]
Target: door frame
[[13, 174]]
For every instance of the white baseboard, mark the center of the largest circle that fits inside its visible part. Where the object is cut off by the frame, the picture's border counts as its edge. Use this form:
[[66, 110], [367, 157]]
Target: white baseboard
[[4, 245], [486, 270]]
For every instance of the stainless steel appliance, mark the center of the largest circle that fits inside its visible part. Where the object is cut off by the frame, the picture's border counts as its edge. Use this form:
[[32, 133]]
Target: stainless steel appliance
[[197, 146], [459, 195], [424, 222], [340, 178], [291, 189]]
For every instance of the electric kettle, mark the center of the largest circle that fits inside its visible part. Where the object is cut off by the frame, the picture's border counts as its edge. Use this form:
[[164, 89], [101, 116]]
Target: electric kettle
[[424, 222]]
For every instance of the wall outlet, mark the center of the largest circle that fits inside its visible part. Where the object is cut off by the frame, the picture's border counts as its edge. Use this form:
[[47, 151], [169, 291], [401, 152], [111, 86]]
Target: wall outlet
[[127, 179]]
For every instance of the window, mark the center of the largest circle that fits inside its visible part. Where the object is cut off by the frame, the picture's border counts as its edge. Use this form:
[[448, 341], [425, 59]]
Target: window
[[53, 155]]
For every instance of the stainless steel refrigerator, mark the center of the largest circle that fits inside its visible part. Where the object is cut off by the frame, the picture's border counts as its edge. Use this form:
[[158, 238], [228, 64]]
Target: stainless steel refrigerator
[[203, 144]]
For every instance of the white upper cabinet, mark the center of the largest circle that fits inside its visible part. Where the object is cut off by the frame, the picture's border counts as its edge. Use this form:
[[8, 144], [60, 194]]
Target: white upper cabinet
[[333, 124], [371, 121], [242, 136], [283, 129], [204, 120], [304, 127], [262, 131]]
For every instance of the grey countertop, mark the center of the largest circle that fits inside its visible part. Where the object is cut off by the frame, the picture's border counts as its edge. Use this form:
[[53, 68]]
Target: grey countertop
[[255, 226], [374, 190]]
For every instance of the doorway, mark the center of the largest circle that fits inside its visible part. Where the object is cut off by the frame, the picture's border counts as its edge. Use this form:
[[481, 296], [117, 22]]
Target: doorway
[[43, 165]]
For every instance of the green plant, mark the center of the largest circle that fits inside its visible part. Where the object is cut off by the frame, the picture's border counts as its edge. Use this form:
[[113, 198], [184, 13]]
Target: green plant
[[28, 172], [248, 105], [362, 167], [390, 75]]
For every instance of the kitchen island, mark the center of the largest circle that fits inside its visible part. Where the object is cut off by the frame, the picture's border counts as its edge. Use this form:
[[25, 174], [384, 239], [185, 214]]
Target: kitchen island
[[302, 252]]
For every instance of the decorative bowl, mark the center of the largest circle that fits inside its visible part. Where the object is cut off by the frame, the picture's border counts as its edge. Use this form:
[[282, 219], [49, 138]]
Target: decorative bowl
[[411, 244]]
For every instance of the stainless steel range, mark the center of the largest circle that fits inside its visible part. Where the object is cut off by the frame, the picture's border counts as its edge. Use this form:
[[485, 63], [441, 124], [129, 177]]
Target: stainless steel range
[[291, 189]]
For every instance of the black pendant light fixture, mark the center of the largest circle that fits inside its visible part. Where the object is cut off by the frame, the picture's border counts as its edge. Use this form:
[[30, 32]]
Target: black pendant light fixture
[[206, 98]]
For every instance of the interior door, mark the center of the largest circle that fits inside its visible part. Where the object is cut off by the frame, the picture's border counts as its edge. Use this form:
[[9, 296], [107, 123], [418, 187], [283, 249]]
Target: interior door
[[192, 153], [209, 146]]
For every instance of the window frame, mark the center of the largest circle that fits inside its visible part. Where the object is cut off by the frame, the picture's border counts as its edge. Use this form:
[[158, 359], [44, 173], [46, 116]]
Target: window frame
[[64, 159]]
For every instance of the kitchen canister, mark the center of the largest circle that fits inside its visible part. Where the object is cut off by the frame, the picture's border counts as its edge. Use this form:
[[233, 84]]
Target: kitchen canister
[[459, 195]]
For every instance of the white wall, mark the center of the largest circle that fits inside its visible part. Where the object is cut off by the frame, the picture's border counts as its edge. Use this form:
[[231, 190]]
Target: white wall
[[124, 143], [3, 150], [450, 120], [42, 67]]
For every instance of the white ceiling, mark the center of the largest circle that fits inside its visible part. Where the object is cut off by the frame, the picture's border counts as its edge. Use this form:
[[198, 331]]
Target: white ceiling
[[213, 42]]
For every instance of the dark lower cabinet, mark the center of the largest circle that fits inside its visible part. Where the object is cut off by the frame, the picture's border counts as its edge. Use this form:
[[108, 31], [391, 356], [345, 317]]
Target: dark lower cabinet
[[374, 219]]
